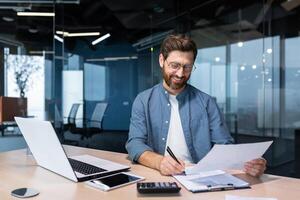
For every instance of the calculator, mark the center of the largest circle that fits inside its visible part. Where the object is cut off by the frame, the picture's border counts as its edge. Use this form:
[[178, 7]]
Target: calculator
[[158, 187]]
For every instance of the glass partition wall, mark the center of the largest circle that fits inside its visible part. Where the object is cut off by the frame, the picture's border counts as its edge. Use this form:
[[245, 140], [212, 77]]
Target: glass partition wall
[[26, 43], [253, 75]]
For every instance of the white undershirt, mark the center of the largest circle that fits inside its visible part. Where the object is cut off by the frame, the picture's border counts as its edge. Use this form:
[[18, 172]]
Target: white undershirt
[[176, 140]]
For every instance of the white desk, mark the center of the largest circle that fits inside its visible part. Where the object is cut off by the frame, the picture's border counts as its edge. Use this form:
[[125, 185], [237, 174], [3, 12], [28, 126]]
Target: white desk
[[19, 170]]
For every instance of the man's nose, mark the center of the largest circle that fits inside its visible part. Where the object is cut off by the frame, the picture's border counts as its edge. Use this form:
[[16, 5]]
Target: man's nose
[[180, 72]]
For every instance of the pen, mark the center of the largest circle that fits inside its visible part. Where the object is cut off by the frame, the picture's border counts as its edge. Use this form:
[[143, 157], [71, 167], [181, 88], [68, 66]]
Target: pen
[[172, 155]]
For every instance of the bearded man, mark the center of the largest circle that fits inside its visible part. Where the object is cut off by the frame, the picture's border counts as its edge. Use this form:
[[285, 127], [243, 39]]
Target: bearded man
[[178, 115]]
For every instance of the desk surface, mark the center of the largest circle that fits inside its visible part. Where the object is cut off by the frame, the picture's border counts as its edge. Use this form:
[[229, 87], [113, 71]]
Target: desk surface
[[19, 170]]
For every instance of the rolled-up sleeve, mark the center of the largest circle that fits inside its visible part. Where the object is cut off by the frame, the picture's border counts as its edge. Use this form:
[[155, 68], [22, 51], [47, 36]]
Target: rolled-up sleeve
[[218, 129], [138, 133]]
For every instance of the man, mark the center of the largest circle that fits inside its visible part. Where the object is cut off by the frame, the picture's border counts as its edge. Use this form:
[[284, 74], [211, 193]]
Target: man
[[175, 114]]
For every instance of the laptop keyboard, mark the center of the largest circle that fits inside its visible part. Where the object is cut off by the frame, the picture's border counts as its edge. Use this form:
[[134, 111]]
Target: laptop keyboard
[[84, 168]]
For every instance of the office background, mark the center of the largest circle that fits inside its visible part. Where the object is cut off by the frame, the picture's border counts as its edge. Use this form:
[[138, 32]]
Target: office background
[[248, 59]]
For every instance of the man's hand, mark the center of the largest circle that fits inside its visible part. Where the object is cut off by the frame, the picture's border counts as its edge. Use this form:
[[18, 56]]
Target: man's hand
[[255, 167], [168, 166]]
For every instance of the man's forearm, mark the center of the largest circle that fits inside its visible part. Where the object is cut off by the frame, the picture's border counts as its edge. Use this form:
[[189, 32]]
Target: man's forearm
[[150, 159]]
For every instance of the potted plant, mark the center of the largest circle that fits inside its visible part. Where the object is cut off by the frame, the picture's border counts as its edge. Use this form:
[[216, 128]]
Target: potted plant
[[23, 67]]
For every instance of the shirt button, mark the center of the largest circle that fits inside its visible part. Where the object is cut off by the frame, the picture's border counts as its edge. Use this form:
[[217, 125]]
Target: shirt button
[[168, 104], [163, 139], [167, 122], [166, 92]]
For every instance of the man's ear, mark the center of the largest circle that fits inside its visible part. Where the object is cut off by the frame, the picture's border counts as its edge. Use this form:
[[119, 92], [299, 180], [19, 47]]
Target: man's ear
[[161, 60]]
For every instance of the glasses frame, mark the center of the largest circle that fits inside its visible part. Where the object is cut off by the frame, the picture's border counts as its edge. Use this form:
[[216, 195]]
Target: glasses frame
[[181, 66]]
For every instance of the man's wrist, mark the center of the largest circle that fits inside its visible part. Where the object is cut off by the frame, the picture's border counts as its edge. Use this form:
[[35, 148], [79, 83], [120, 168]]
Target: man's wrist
[[158, 161]]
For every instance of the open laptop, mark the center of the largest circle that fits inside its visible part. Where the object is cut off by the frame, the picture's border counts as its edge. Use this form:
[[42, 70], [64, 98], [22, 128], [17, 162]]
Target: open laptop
[[44, 144]]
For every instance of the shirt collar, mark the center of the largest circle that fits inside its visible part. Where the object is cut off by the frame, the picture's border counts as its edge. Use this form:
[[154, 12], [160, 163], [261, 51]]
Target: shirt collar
[[180, 96]]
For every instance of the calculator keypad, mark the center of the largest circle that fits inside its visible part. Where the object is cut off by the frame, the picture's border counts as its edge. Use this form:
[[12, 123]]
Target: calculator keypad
[[158, 187]]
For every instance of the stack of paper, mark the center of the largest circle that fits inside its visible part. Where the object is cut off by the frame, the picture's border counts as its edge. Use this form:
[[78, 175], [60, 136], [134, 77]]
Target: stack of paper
[[207, 175], [229, 156]]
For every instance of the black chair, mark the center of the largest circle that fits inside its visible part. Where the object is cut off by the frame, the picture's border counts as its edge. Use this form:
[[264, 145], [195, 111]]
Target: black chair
[[72, 117], [90, 126], [58, 123], [71, 121]]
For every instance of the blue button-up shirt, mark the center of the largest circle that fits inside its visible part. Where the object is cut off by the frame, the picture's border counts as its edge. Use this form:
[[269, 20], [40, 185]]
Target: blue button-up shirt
[[202, 122]]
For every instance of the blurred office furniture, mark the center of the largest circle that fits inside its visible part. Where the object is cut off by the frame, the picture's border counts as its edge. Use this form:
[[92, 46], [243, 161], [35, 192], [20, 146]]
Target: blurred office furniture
[[9, 108], [71, 121], [90, 126], [95, 124], [58, 123]]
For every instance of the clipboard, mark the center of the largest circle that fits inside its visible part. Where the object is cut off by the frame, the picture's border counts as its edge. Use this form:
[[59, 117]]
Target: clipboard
[[229, 186], [220, 181]]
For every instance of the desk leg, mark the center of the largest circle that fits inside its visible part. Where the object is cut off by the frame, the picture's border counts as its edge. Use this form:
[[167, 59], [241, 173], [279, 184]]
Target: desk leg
[[297, 153]]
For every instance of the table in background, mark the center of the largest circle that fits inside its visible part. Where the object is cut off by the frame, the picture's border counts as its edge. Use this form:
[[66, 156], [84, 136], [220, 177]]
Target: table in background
[[6, 124], [17, 169]]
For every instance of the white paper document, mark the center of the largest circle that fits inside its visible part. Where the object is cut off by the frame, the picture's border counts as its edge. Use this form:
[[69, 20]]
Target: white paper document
[[232, 197], [211, 181], [229, 156]]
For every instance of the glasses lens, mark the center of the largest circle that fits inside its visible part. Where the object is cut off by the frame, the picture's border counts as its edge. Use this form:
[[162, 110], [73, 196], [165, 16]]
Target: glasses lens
[[176, 66], [188, 68]]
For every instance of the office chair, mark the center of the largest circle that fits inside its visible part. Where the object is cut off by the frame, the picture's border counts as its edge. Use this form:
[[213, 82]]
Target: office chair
[[58, 123], [93, 125], [71, 122], [72, 117]]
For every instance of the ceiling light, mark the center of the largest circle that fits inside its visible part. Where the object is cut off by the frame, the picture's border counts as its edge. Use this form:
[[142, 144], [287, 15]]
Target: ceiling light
[[36, 14], [58, 38], [240, 44], [83, 34], [33, 30], [41, 52], [269, 50], [264, 58], [79, 34], [8, 19], [242, 68], [269, 79], [101, 39], [217, 59], [60, 32], [111, 58], [254, 66]]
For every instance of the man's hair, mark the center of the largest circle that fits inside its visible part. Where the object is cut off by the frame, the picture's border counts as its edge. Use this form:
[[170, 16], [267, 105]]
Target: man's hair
[[178, 42]]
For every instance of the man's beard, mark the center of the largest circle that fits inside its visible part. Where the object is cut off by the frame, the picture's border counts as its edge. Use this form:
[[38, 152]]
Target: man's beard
[[171, 84]]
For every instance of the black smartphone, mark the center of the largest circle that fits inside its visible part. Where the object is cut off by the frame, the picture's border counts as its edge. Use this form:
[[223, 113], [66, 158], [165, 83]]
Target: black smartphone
[[114, 181]]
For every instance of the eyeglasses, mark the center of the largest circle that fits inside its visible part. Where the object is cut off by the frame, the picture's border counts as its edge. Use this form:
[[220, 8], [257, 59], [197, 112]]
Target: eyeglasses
[[175, 66]]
